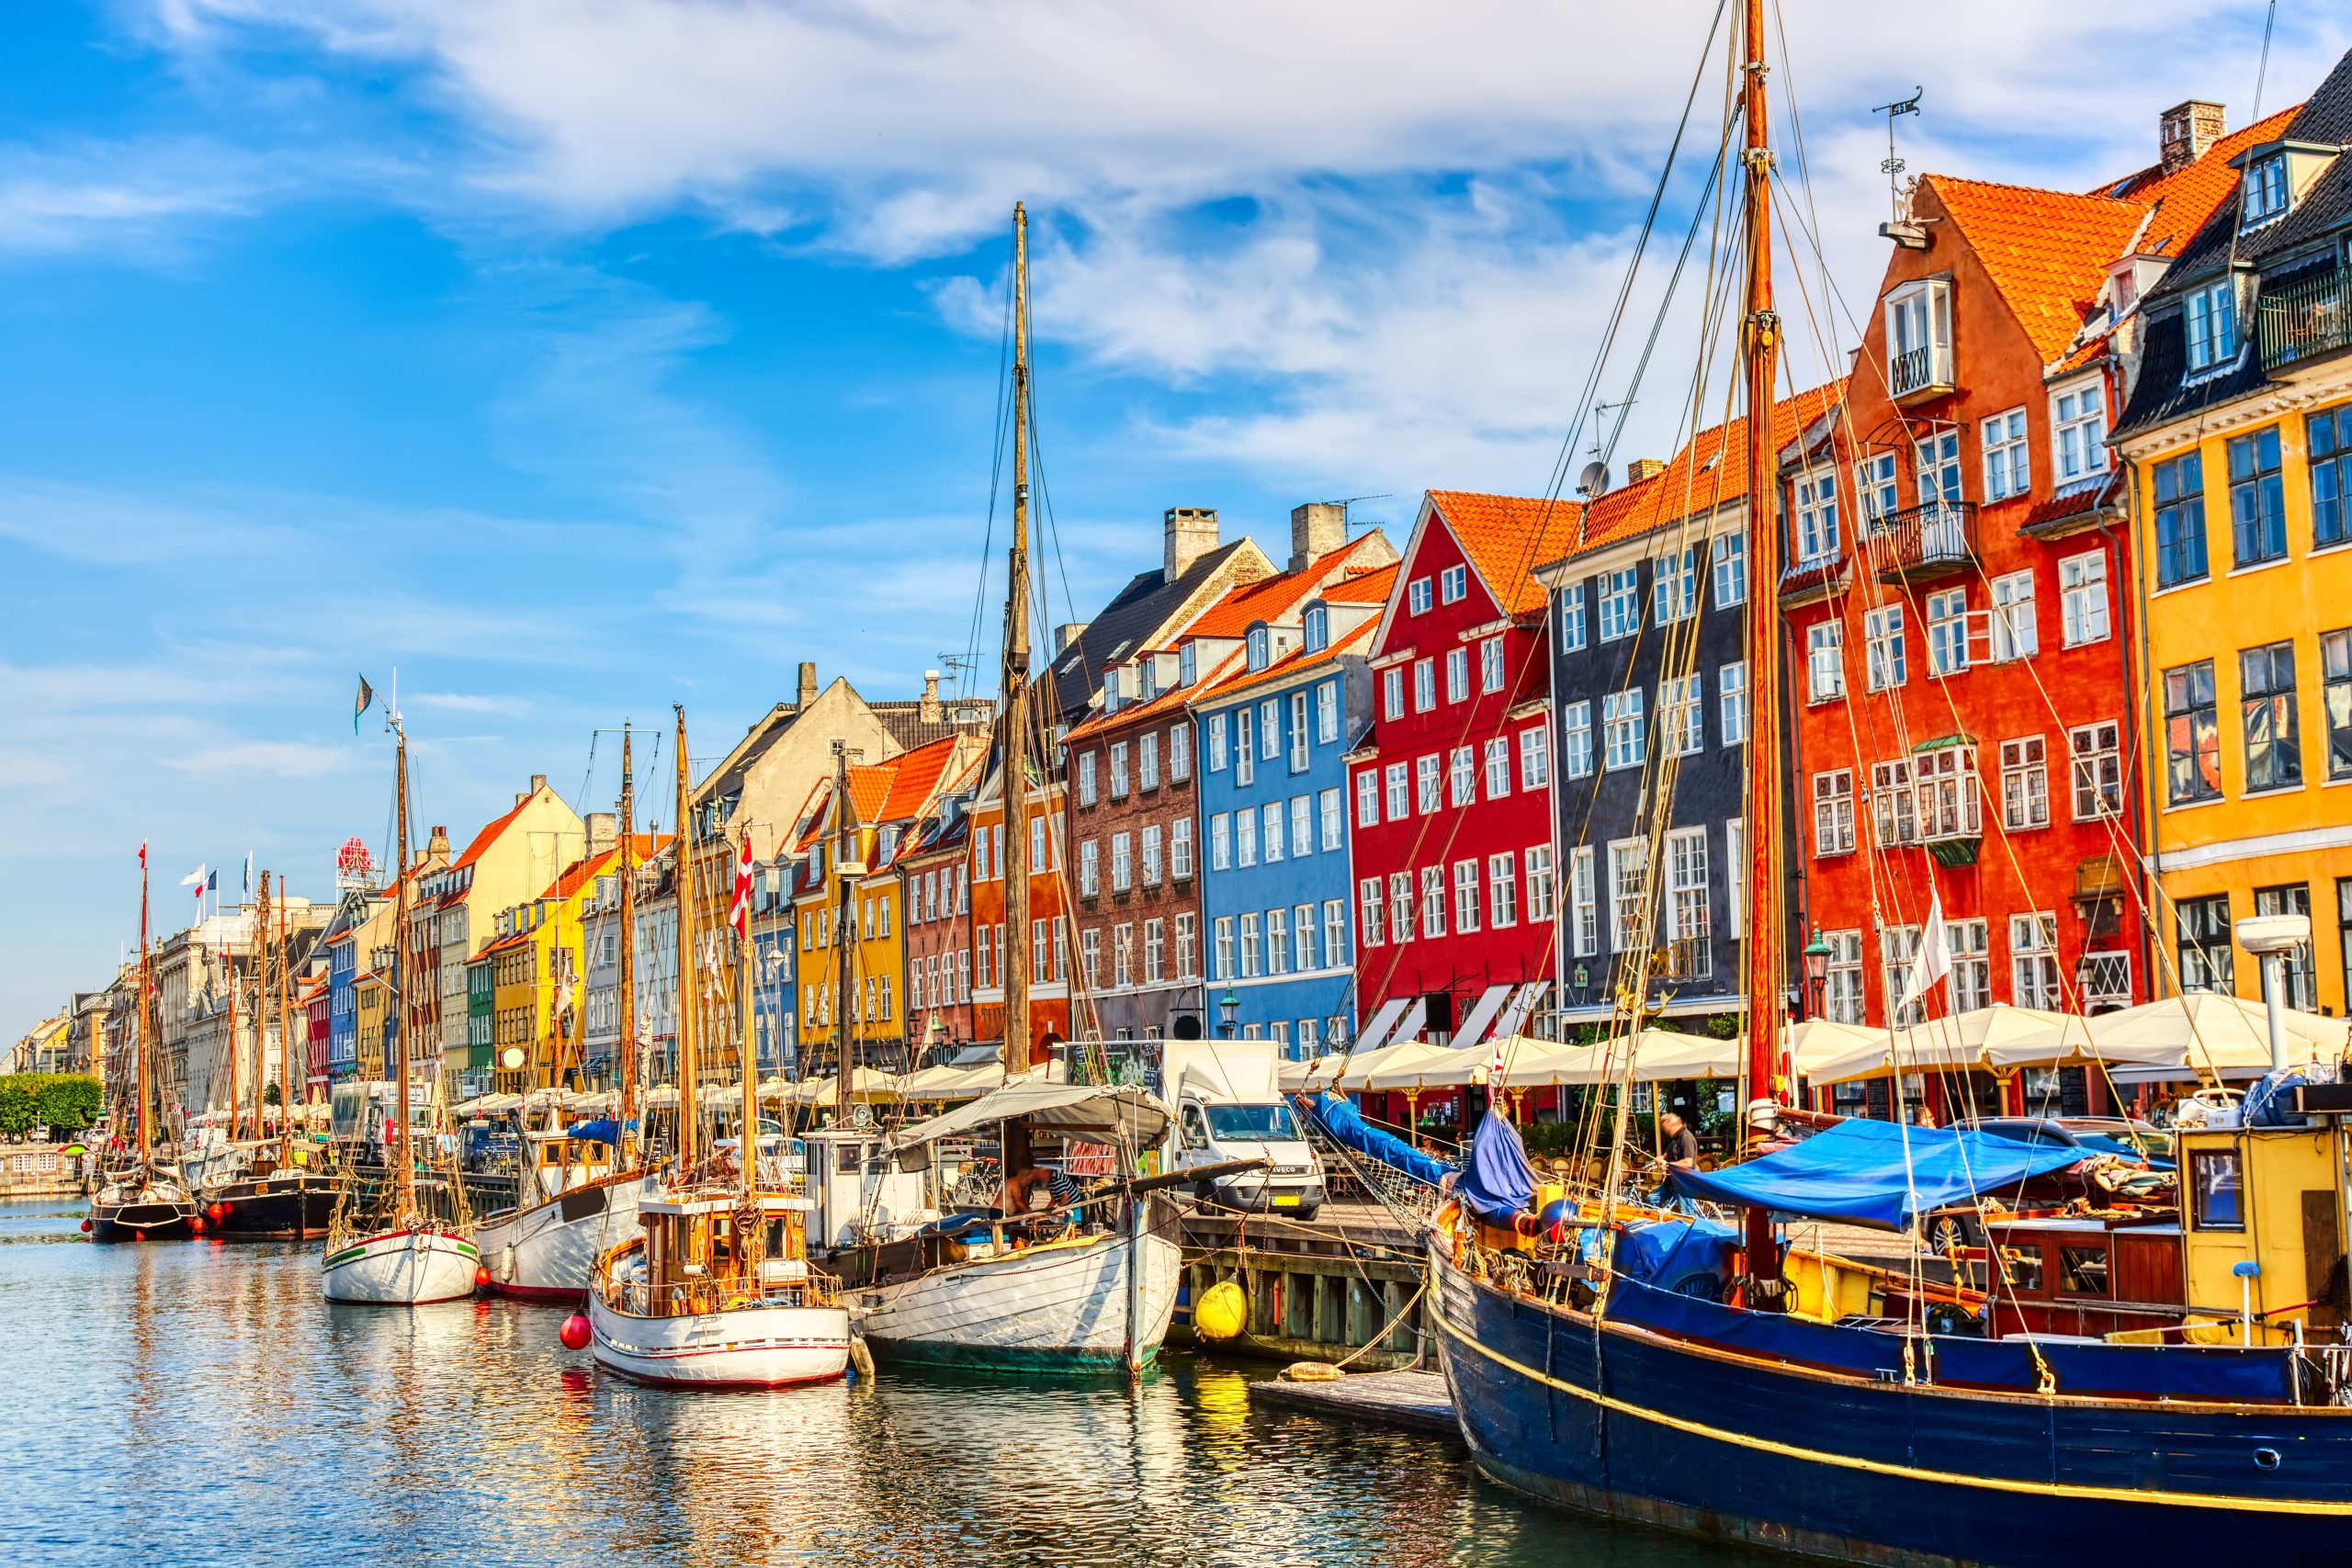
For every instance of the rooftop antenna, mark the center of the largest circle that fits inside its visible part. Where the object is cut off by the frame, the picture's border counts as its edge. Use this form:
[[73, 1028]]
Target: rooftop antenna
[[1603, 410], [1349, 519], [1893, 167]]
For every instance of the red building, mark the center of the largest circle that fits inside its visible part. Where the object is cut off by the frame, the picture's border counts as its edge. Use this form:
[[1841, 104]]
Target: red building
[[317, 1007], [1049, 901], [938, 873], [1959, 596], [1452, 850]]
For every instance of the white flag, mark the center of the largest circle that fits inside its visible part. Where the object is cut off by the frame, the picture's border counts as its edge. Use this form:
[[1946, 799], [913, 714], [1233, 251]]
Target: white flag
[[1933, 961], [194, 878]]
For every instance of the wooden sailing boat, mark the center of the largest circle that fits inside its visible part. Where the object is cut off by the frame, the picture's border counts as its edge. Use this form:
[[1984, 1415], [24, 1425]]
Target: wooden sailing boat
[[717, 1292], [391, 1251], [575, 1195], [278, 1191], [142, 1200], [1082, 1286]]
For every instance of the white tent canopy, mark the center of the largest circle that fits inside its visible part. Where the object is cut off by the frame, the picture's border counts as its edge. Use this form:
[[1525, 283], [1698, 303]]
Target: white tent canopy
[[2207, 1034], [1116, 1113], [1995, 1039]]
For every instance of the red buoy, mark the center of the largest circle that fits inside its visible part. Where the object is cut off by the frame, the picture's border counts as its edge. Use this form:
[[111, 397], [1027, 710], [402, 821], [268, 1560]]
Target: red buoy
[[575, 1333], [86, 1227], [195, 1224], [481, 1277], [139, 1235], [219, 1211]]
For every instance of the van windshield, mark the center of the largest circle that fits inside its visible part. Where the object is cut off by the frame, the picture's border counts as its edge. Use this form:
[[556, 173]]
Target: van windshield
[[1265, 1123]]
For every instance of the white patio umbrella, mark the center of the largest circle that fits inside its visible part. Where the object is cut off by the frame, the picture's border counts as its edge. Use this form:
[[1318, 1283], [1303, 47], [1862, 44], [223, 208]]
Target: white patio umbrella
[[2207, 1034]]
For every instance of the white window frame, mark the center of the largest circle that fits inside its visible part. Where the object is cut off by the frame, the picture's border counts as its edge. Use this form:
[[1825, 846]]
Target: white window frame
[[2007, 453], [1575, 726], [1824, 660], [2085, 610], [1833, 812], [2012, 626], [2079, 430], [2025, 783]]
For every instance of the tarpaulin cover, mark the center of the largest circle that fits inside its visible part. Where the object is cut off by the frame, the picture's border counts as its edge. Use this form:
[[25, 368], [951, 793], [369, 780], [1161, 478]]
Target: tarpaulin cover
[[1667, 1250], [602, 1129], [1338, 1116], [1497, 1183], [2260, 1374], [1856, 1171]]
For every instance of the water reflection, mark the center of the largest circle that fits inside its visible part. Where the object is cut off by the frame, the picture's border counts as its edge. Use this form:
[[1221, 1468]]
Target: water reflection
[[198, 1403]]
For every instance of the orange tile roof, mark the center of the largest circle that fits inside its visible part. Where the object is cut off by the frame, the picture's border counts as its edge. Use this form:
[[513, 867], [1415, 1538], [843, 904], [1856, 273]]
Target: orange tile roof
[[503, 944], [2185, 198], [1161, 701], [489, 835], [1297, 658], [2046, 251], [1269, 598], [1710, 471], [1506, 537], [916, 776], [1370, 586]]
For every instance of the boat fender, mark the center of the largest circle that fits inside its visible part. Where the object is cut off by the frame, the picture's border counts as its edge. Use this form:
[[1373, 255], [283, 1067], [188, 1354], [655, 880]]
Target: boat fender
[[1222, 1311], [574, 1333], [1312, 1372], [861, 1358]]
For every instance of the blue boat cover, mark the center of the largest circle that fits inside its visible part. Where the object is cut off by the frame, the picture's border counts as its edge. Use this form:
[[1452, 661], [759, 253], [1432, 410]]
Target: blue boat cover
[[1667, 1250], [1856, 1171], [2257, 1374], [602, 1129], [1338, 1118], [1497, 1183]]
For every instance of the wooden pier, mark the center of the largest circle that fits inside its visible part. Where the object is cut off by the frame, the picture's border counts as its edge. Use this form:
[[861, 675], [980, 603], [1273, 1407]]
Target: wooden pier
[[1319, 1290]]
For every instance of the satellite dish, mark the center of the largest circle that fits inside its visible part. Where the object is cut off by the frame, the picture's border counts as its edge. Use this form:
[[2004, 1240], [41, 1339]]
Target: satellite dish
[[1593, 483], [511, 1058]]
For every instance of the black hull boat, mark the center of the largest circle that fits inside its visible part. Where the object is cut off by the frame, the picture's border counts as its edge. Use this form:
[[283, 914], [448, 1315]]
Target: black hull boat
[[288, 1205], [137, 1209]]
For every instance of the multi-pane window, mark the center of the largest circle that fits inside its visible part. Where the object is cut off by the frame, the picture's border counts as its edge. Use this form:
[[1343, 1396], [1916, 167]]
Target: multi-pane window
[[1824, 662], [1086, 778], [2097, 757], [1368, 798], [1179, 752], [1399, 792], [1621, 614], [1417, 597], [2295, 898], [1971, 967], [1272, 811], [1686, 900], [1123, 956], [1490, 664], [1736, 878], [1730, 554], [1817, 509], [1684, 730], [1576, 734], [1572, 617], [2257, 497], [1368, 912], [1302, 936], [1731, 696], [1221, 960], [1244, 755], [1945, 777], [1453, 583], [2033, 962], [2181, 519], [1252, 951], [2274, 757], [2025, 783], [1302, 824], [2014, 628], [1465, 896], [1245, 836], [1884, 659], [1335, 933], [1893, 813], [1270, 721], [1326, 712], [1629, 890], [1119, 770], [1122, 863], [1937, 470], [1301, 748], [2209, 325], [1498, 762], [1148, 760], [1584, 901], [1841, 987], [1534, 761], [1674, 587], [1874, 483], [1155, 952], [1392, 693], [1220, 842], [1428, 786], [1089, 877], [1186, 948], [1833, 812], [1151, 834], [1400, 905], [1457, 674], [1331, 818], [1217, 740], [2336, 700], [1502, 890], [1424, 685], [2078, 431], [2192, 735], [1623, 730], [1432, 901], [2082, 597], [1179, 848], [1948, 632], [2328, 446], [2263, 193], [2207, 960], [2008, 469], [1277, 941]]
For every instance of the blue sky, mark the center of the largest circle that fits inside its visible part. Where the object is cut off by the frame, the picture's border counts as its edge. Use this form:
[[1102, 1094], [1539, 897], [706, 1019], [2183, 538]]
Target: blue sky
[[575, 358]]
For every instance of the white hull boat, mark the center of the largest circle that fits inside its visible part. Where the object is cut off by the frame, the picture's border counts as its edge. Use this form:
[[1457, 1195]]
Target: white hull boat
[[547, 1252], [401, 1267], [763, 1342], [1059, 1305]]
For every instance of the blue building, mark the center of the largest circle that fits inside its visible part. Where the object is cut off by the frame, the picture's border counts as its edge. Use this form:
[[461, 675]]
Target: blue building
[[776, 995], [1271, 732]]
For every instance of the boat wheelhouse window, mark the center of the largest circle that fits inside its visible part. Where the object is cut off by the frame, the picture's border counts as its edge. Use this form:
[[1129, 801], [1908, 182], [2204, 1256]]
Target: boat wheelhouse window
[[2216, 1196], [2082, 1271]]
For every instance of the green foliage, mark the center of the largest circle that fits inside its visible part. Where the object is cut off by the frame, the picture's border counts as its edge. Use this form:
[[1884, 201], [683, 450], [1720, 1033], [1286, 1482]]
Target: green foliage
[[270, 1094], [65, 1102]]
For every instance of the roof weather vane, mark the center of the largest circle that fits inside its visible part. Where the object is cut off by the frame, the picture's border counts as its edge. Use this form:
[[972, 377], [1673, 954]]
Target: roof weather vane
[[1894, 167]]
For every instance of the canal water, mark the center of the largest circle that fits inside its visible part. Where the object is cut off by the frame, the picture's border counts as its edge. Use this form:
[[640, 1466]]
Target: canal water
[[193, 1403]]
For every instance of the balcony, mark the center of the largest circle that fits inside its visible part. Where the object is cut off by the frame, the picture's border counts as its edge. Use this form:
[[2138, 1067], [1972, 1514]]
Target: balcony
[[2305, 320], [1920, 543], [1919, 375]]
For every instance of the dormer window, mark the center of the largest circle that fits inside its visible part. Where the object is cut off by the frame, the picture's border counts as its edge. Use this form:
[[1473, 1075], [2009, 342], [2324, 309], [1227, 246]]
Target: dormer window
[[2263, 192], [1188, 665], [1317, 627], [1111, 691], [1149, 673], [2209, 325], [1258, 646]]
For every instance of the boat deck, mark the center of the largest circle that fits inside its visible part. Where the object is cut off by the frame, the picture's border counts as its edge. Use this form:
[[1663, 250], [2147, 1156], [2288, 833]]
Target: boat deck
[[1415, 1401]]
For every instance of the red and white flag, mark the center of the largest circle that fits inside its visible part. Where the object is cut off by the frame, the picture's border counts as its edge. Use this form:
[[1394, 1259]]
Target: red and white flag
[[739, 916]]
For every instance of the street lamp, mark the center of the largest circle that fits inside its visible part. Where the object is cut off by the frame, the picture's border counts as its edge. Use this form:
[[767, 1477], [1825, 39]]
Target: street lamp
[[1227, 1006], [1817, 954]]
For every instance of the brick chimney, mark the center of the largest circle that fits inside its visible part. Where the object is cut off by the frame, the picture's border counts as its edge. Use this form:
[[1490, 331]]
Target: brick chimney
[[604, 831], [807, 691], [438, 843], [929, 712], [1191, 534], [1315, 530], [1642, 468], [1067, 633], [2185, 132]]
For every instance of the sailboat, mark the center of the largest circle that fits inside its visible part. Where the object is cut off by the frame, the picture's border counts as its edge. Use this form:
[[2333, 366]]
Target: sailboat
[[716, 1291], [1088, 1285], [388, 1251], [1786, 1412], [579, 1188], [142, 1200], [276, 1191]]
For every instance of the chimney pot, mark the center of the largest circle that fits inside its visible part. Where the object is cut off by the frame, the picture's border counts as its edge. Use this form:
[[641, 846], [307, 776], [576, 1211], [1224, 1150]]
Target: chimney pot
[[2185, 131], [807, 692], [1642, 468], [1191, 533], [930, 710], [1315, 530]]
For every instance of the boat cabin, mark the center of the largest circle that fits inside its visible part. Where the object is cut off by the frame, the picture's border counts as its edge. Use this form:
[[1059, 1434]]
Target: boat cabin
[[2264, 1211], [698, 1259], [2085, 1274]]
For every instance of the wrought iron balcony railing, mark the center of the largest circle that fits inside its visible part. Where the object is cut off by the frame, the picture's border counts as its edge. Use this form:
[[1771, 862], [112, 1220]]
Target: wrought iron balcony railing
[[1924, 541], [2306, 318], [1920, 373]]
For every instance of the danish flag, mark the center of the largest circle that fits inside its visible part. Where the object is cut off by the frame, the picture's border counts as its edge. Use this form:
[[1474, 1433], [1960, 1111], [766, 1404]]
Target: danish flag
[[740, 916]]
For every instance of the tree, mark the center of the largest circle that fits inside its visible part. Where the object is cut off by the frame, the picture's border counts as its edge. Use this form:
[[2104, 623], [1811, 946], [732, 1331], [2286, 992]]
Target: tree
[[65, 1102]]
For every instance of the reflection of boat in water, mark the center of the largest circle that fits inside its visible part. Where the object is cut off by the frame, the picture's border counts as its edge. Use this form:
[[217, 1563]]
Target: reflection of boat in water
[[716, 1291]]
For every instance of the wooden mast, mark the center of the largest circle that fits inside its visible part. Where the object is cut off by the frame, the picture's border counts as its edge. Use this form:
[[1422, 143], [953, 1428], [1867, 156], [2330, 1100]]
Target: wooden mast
[[236, 1111], [261, 979], [284, 1039], [748, 1149], [404, 1165], [844, 851], [686, 959], [1766, 975], [623, 1141], [1012, 953], [139, 1025]]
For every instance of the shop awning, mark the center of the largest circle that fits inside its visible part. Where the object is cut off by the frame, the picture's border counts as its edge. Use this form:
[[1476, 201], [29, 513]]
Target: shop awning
[[1382, 1023]]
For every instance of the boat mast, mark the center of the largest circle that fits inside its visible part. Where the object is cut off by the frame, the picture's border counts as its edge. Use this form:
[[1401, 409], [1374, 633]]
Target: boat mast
[[404, 1177], [686, 958], [845, 939], [139, 1023], [261, 983], [749, 1148], [284, 1039], [621, 1140], [1012, 953], [1766, 977], [236, 1111]]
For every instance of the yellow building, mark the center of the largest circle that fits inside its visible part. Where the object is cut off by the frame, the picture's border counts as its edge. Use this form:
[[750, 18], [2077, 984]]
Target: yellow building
[[2235, 437], [537, 979]]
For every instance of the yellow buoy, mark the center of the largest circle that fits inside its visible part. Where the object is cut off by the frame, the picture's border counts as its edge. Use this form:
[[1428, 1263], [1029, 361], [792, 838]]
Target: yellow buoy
[[1222, 1311]]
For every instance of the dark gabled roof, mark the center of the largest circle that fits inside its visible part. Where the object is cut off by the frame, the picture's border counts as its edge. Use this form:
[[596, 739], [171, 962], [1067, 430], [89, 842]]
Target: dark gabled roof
[[1147, 599]]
